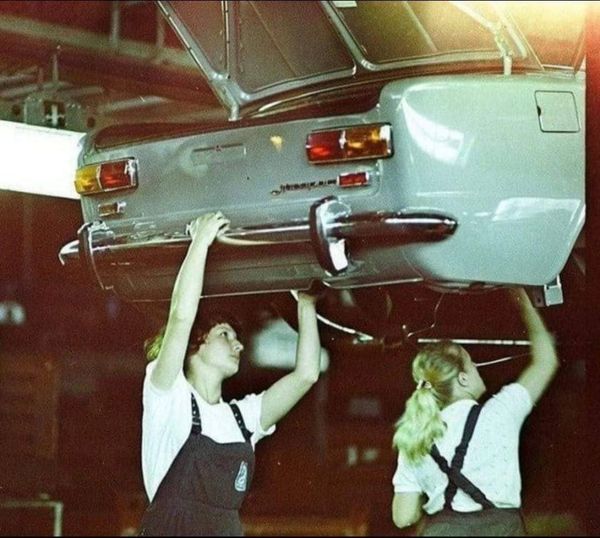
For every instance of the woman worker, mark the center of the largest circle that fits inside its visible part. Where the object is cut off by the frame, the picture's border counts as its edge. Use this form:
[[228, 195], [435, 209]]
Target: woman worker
[[464, 456], [197, 450]]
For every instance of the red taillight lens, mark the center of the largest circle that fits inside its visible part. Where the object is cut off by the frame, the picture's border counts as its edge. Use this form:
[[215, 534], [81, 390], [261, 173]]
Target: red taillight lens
[[117, 175], [353, 179], [350, 143], [325, 146], [106, 177]]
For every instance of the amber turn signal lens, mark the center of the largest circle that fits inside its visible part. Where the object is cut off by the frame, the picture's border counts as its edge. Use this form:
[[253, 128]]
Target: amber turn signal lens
[[86, 180], [106, 177]]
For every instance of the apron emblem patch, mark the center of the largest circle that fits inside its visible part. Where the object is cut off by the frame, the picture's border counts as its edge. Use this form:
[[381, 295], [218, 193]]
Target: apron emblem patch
[[241, 480]]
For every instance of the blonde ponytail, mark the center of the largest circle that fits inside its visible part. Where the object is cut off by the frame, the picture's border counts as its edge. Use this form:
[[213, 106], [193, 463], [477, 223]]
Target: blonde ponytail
[[434, 369]]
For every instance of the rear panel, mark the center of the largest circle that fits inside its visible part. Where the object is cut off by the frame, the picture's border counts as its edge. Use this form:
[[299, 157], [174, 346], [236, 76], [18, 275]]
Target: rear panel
[[503, 155], [256, 176]]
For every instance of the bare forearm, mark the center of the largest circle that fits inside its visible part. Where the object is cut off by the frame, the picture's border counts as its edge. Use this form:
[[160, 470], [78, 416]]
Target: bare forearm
[[184, 305], [185, 298], [542, 341], [544, 360], [190, 280], [284, 394], [309, 346]]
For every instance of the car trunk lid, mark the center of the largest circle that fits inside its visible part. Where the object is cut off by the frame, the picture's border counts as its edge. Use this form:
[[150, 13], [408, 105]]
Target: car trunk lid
[[255, 53]]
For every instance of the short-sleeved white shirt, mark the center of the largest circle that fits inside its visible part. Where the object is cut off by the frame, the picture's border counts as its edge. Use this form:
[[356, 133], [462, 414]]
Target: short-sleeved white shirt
[[492, 460], [167, 423]]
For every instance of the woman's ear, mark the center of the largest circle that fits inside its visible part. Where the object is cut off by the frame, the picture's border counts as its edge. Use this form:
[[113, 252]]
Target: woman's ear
[[200, 348]]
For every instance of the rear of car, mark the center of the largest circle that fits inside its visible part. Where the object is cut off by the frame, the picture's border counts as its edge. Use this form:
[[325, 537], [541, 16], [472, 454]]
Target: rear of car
[[369, 143]]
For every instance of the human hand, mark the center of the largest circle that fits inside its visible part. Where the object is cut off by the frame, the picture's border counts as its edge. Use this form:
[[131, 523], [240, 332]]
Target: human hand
[[314, 293], [207, 227], [306, 298]]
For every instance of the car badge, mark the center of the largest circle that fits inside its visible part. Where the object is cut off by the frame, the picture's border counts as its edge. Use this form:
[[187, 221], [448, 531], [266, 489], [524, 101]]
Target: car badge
[[304, 186]]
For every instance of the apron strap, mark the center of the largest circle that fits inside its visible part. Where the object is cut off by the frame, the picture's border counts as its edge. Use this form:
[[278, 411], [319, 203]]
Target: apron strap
[[240, 421], [455, 478], [196, 422], [461, 450]]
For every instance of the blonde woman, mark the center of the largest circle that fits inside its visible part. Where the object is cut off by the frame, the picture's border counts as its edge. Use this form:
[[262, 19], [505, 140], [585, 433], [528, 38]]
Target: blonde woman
[[461, 455], [197, 450]]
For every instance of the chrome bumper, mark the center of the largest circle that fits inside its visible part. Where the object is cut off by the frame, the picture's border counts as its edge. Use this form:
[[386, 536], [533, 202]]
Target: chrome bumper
[[331, 228]]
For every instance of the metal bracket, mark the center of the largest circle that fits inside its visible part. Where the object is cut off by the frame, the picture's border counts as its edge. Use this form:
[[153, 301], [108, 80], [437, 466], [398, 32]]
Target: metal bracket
[[330, 251], [57, 508], [548, 294]]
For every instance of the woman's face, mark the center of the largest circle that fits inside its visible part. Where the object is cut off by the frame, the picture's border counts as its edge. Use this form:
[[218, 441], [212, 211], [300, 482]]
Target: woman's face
[[222, 349]]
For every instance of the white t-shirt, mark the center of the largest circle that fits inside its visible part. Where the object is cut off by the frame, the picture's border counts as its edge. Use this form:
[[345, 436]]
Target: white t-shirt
[[492, 460], [167, 423]]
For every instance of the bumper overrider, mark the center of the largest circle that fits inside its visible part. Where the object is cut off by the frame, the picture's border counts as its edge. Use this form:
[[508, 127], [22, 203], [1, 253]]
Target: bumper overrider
[[329, 229]]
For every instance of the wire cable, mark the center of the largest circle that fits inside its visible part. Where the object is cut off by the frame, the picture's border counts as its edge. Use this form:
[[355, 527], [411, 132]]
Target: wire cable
[[503, 359], [433, 323], [359, 334]]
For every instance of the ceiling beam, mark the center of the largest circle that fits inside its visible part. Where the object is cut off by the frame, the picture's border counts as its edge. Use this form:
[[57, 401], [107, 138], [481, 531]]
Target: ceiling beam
[[67, 36], [114, 71]]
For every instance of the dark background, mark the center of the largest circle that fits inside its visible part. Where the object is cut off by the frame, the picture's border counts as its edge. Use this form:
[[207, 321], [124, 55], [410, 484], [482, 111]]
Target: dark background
[[330, 458], [329, 466]]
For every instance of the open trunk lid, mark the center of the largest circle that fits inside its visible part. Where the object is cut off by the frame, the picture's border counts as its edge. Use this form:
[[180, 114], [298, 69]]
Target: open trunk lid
[[256, 52]]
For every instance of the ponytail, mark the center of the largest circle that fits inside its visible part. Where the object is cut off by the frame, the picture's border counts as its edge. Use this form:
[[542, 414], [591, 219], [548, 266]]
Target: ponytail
[[434, 369]]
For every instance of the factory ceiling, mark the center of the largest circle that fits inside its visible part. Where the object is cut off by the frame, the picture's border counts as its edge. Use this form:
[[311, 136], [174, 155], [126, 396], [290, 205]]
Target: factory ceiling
[[80, 65]]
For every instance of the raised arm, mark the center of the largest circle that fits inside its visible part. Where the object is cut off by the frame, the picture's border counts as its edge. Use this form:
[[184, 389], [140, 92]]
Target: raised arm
[[185, 298], [284, 394], [544, 362]]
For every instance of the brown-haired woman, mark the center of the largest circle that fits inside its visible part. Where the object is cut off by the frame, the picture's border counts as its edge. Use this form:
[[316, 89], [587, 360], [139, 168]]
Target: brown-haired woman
[[464, 456], [197, 450]]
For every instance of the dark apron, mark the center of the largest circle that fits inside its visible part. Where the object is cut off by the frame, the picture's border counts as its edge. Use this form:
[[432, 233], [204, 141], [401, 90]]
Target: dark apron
[[490, 521], [204, 488]]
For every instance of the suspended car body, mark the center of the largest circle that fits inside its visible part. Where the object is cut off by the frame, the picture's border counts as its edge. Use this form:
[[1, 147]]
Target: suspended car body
[[368, 144]]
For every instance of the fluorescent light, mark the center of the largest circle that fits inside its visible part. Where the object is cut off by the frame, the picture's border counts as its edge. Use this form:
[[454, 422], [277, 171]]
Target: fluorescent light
[[12, 313], [38, 160], [274, 346]]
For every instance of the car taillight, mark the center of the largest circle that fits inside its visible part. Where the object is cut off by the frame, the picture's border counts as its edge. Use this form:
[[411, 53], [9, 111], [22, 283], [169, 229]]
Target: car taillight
[[353, 179], [106, 177], [350, 143]]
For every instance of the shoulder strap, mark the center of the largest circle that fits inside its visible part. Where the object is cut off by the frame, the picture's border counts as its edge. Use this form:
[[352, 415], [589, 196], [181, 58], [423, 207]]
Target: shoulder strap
[[196, 422], [461, 450], [240, 421], [455, 478]]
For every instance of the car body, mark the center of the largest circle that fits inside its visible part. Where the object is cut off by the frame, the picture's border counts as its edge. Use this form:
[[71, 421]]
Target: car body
[[368, 144]]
